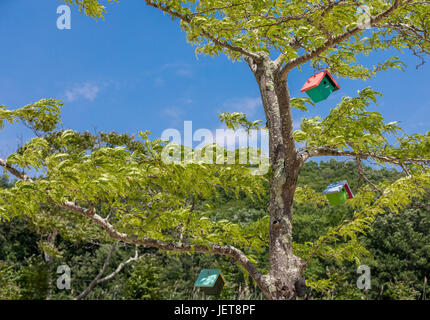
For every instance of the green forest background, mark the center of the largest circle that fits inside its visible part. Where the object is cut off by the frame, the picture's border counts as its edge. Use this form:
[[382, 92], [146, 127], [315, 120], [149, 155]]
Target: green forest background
[[399, 247]]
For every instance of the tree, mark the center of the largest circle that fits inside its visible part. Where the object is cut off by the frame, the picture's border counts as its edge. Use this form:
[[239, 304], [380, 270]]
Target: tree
[[400, 246], [273, 38]]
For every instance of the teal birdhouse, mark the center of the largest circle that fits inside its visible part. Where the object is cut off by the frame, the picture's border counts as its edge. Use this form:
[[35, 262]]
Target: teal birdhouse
[[320, 86], [338, 192], [210, 281]]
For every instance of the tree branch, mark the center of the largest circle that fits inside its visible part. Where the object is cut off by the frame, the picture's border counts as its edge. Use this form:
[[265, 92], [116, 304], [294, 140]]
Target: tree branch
[[14, 172], [97, 280], [336, 40], [228, 251], [205, 33], [419, 33], [121, 266], [99, 275], [90, 213], [363, 176], [327, 151]]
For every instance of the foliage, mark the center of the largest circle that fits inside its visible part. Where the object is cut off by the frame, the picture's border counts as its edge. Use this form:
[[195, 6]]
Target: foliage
[[92, 8], [127, 179], [237, 120], [42, 115], [172, 276], [144, 283], [400, 247], [401, 291], [9, 288], [93, 188]]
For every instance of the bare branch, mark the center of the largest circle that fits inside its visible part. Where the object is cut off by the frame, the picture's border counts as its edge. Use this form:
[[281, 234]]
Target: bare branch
[[333, 152], [97, 280], [419, 33], [121, 266], [99, 275], [362, 176]]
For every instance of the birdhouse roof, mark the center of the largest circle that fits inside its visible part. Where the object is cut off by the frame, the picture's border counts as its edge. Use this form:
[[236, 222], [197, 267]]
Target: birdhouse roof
[[208, 278], [316, 79], [337, 186]]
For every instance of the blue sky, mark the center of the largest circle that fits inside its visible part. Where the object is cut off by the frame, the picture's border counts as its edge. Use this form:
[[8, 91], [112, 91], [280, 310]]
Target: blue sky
[[134, 71]]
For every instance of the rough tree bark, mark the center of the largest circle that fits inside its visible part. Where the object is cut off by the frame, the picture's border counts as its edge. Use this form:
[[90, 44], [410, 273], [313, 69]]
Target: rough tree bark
[[49, 260], [285, 267]]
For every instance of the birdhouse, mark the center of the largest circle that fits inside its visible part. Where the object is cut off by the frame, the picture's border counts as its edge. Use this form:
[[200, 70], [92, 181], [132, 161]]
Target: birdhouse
[[338, 192], [320, 86], [210, 281]]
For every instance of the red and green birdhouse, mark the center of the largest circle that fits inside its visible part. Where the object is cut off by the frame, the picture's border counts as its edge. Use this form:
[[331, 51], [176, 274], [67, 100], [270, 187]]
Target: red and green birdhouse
[[338, 192], [210, 281], [320, 86]]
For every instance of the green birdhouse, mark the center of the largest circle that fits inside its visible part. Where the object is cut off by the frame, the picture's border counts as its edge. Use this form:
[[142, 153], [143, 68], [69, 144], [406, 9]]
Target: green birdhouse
[[338, 192], [210, 281], [320, 86]]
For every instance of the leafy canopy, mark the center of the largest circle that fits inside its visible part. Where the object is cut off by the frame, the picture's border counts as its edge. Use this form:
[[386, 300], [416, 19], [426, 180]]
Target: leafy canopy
[[126, 179], [332, 34]]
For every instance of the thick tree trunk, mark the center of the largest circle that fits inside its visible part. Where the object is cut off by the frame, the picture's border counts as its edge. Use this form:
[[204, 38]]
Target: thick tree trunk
[[50, 261], [285, 267]]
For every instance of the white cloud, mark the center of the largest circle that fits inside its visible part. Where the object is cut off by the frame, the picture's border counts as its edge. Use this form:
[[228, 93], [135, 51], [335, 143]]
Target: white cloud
[[247, 105], [180, 69], [173, 112], [87, 90], [158, 81], [186, 100], [185, 72]]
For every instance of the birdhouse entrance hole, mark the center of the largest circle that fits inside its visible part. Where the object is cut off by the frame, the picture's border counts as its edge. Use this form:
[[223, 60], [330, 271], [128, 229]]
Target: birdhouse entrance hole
[[320, 86]]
